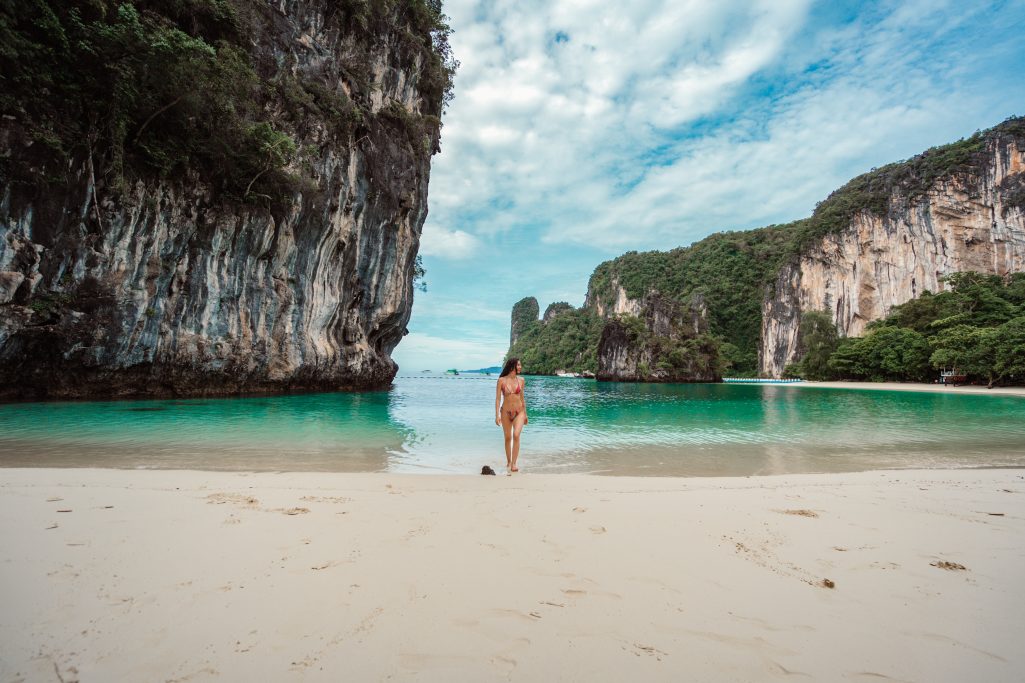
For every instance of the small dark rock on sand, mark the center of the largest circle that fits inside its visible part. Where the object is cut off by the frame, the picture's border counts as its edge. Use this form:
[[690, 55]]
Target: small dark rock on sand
[[949, 566], [486, 470]]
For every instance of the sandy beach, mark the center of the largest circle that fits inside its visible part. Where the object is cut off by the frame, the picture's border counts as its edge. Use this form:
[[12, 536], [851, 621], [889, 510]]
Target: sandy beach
[[195, 576], [917, 386]]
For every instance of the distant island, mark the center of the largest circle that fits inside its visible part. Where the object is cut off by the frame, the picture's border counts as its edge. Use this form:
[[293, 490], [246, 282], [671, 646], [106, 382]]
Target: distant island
[[493, 370]]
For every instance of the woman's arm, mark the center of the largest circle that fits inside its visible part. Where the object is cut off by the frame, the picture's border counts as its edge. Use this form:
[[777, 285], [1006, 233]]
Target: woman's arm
[[523, 393], [498, 402]]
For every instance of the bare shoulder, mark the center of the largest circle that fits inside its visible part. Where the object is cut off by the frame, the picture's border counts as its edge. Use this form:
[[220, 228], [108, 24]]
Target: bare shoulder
[[523, 381]]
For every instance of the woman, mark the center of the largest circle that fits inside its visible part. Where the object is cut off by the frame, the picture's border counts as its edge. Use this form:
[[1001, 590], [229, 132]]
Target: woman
[[511, 409]]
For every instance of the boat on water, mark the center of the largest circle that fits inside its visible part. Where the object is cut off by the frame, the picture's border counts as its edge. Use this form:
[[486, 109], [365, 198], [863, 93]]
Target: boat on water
[[451, 372], [563, 373]]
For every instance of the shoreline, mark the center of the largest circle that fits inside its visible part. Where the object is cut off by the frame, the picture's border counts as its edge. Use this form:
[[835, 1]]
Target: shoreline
[[966, 389], [157, 575]]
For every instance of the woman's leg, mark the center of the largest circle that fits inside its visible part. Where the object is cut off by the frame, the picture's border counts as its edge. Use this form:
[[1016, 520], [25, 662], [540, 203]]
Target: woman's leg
[[517, 427], [507, 427]]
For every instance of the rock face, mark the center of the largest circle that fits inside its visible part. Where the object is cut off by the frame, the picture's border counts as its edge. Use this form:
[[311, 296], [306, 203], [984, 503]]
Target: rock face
[[554, 309], [666, 345], [524, 312], [161, 290], [618, 304], [962, 223]]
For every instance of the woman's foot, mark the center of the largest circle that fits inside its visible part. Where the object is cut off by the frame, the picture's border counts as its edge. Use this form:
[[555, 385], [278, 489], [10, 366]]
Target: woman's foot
[[514, 468]]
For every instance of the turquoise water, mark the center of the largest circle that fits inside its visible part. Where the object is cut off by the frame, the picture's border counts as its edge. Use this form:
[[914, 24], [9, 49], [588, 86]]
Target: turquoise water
[[440, 423]]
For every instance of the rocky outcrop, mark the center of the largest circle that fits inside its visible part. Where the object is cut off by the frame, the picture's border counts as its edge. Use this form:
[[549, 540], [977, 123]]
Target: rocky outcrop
[[554, 309], [669, 344], [164, 289], [618, 303], [963, 222], [524, 313]]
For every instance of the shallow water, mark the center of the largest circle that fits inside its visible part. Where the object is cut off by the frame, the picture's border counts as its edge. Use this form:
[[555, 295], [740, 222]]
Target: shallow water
[[441, 423]]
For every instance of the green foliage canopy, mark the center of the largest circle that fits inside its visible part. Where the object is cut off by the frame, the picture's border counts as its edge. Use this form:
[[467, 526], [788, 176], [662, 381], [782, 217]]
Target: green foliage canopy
[[569, 341], [819, 340], [976, 328], [171, 88]]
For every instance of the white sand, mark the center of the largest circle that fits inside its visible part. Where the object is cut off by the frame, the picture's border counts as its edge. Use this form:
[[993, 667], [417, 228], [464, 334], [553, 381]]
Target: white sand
[[196, 576], [917, 386]]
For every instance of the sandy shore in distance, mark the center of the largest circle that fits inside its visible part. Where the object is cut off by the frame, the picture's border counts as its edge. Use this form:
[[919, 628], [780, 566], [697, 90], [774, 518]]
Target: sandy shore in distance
[[913, 386], [193, 576]]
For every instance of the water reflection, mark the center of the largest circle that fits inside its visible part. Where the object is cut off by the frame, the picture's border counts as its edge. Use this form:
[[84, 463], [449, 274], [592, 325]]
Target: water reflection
[[310, 432]]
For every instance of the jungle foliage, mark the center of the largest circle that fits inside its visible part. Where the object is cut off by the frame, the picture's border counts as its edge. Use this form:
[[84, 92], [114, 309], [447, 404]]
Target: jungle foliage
[[975, 328], [685, 355], [732, 271], [166, 89], [524, 314], [568, 341], [729, 270]]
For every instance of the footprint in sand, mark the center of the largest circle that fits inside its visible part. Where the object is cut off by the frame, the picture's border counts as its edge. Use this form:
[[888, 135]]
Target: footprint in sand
[[325, 499], [800, 513], [237, 498], [326, 565], [649, 650]]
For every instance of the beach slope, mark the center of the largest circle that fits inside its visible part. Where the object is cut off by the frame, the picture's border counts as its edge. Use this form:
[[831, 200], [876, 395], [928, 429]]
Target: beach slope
[[194, 576]]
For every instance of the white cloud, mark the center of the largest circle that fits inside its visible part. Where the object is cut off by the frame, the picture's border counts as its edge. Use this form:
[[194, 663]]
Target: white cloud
[[448, 244], [587, 139], [603, 127], [541, 129]]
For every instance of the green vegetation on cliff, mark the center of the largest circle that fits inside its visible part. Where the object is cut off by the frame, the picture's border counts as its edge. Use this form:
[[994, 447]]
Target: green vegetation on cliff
[[167, 89], [569, 341], [684, 355], [729, 270], [909, 180], [732, 270], [524, 314], [977, 328]]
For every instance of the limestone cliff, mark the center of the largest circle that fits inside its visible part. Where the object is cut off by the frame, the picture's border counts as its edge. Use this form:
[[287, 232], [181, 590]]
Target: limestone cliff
[[879, 241], [164, 286], [669, 344], [524, 314], [964, 221]]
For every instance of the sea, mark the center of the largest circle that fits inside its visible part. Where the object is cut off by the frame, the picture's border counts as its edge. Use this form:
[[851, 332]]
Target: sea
[[442, 423]]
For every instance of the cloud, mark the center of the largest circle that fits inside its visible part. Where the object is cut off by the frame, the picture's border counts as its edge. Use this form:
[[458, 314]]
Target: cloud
[[581, 128], [543, 127], [448, 244], [652, 124]]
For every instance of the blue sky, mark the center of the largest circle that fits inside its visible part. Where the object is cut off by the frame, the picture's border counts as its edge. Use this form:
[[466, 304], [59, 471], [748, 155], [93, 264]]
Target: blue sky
[[583, 129]]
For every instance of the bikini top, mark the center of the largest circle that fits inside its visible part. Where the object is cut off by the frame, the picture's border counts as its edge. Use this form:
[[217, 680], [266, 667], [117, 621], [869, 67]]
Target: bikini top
[[514, 391]]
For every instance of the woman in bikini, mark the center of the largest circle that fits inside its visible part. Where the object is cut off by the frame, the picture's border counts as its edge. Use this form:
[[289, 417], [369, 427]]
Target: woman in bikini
[[511, 409]]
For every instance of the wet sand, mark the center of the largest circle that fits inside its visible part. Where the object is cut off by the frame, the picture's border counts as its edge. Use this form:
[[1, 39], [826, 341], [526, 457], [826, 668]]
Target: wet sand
[[180, 575]]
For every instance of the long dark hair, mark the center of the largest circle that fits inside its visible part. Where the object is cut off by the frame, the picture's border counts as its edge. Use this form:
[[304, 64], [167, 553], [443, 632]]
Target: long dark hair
[[509, 366]]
